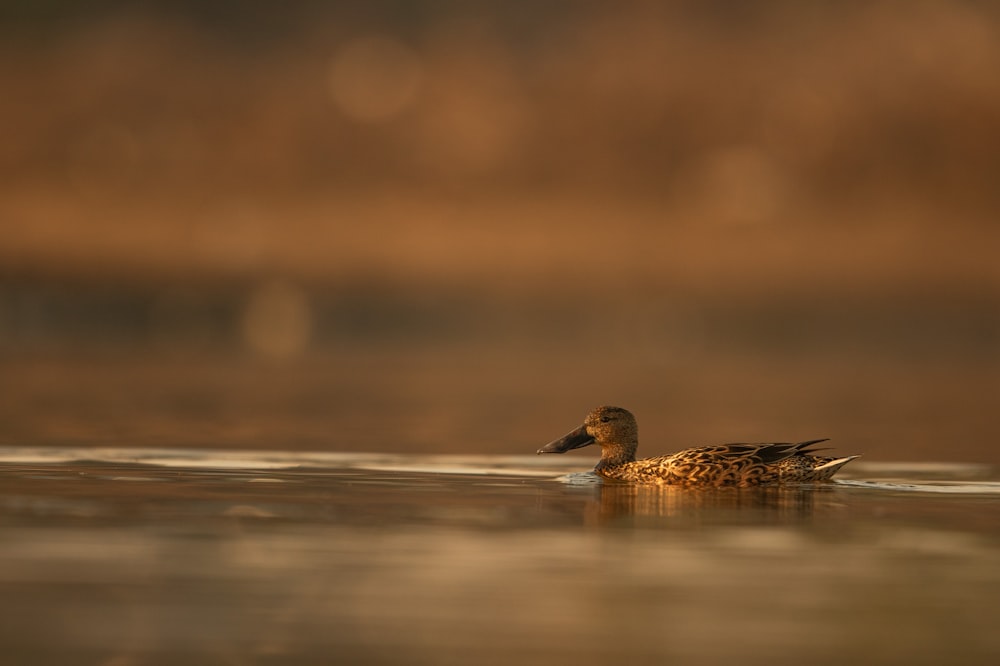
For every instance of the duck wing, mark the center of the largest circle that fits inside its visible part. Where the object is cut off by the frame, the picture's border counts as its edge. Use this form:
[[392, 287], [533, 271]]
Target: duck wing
[[766, 453]]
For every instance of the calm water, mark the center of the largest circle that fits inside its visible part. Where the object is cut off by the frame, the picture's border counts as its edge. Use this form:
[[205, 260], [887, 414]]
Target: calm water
[[119, 557]]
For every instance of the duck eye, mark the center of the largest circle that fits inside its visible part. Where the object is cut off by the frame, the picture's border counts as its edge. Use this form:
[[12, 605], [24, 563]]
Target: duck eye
[[605, 419]]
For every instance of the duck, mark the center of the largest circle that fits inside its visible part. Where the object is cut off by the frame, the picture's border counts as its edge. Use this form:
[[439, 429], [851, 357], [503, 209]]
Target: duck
[[616, 431]]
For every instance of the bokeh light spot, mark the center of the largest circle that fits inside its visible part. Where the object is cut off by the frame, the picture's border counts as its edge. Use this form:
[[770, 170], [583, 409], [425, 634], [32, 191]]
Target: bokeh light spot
[[374, 78], [277, 320]]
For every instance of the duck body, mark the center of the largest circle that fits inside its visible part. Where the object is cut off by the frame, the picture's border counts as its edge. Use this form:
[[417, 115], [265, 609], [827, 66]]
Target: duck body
[[615, 430]]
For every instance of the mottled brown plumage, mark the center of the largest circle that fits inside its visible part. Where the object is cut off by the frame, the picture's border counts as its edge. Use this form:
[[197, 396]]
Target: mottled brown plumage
[[615, 430]]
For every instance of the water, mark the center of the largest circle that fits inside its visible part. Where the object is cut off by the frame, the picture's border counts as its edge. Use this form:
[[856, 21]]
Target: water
[[161, 556]]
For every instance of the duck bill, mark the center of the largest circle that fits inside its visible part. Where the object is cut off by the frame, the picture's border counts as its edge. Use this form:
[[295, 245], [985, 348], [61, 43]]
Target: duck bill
[[572, 440]]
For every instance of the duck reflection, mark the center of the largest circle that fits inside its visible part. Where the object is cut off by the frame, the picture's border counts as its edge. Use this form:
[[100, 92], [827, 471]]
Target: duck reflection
[[623, 503]]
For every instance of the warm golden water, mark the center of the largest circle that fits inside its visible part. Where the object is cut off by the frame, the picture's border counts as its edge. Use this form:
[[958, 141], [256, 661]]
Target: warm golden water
[[118, 557]]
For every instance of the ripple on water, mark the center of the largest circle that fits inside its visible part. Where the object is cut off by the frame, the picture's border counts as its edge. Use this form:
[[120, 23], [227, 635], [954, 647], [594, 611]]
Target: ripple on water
[[941, 487]]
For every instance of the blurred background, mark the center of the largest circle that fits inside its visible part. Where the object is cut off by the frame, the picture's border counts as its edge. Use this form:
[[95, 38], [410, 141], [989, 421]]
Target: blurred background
[[433, 226]]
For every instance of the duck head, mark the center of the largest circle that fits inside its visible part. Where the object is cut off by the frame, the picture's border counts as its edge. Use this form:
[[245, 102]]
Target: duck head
[[614, 429]]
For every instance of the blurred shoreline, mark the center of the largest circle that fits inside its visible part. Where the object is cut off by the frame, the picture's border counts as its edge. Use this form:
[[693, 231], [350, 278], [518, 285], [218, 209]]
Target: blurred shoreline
[[697, 149]]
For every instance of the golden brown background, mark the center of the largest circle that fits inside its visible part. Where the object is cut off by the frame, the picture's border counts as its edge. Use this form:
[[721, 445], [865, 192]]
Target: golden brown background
[[445, 226]]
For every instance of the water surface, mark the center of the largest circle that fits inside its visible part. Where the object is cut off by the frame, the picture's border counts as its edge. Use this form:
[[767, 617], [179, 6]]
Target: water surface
[[162, 556]]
